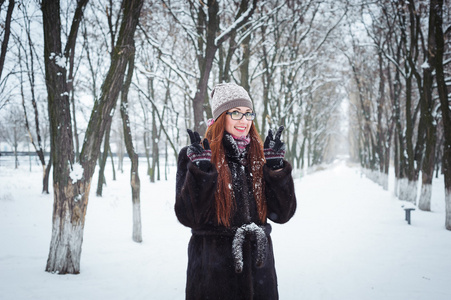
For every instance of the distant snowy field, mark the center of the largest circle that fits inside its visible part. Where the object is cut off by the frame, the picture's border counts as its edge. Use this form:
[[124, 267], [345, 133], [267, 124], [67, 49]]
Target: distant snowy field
[[348, 240]]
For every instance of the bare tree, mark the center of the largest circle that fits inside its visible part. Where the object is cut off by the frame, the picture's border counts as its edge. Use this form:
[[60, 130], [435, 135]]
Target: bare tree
[[206, 42], [134, 174], [444, 103], [427, 107], [6, 33], [4, 49], [27, 57], [72, 181]]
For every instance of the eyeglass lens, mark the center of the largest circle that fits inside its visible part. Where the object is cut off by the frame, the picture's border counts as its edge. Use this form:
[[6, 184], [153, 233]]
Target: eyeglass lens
[[236, 115]]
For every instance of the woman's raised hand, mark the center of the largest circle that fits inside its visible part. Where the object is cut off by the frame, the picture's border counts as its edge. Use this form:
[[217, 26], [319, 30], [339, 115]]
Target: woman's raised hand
[[200, 156], [274, 149]]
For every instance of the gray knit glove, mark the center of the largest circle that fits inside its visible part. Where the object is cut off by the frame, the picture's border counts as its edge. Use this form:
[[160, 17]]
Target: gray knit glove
[[274, 149], [201, 157]]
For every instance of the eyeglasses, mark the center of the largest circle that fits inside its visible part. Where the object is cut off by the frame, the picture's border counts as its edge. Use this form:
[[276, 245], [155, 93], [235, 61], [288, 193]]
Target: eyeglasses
[[236, 115]]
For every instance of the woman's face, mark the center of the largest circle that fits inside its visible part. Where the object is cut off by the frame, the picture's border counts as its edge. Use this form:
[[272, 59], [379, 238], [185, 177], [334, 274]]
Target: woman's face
[[238, 127]]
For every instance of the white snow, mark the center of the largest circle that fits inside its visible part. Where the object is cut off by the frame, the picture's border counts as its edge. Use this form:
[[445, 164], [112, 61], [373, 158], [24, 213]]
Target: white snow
[[348, 240], [76, 173], [60, 60]]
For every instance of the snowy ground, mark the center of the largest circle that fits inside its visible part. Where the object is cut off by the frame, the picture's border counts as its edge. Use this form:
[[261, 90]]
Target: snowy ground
[[348, 240]]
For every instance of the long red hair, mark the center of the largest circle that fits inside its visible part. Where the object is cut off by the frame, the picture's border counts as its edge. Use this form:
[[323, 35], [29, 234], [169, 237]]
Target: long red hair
[[225, 203]]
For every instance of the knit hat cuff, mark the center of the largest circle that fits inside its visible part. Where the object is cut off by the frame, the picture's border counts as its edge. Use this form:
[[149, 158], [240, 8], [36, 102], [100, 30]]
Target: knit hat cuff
[[231, 104]]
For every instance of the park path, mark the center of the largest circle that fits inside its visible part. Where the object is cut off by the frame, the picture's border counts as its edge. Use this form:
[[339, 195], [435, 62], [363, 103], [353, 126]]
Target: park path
[[349, 240]]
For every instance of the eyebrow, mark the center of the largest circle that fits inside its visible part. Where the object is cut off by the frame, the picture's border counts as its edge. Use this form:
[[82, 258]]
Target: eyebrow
[[236, 109]]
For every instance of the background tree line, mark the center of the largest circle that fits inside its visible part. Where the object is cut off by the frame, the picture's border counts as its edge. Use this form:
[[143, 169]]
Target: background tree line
[[65, 65], [401, 69]]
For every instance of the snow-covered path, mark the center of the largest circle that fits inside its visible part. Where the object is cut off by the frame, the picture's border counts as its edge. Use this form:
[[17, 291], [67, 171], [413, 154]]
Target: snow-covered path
[[348, 240]]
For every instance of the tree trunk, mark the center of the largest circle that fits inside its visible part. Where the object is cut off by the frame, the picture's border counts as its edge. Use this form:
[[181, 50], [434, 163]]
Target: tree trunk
[[166, 161], [155, 153], [68, 210], [401, 180], [45, 180], [77, 140], [112, 163], [71, 181], [380, 135], [134, 175], [427, 105], [146, 148], [7, 31], [106, 145], [387, 148], [444, 105], [397, 164]]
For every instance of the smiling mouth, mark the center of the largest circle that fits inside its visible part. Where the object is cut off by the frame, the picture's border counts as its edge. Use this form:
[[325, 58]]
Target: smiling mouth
[[240, 128]]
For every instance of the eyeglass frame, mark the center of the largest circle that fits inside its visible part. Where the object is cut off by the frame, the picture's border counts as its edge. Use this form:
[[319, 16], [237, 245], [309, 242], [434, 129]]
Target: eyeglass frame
[[251, 114]]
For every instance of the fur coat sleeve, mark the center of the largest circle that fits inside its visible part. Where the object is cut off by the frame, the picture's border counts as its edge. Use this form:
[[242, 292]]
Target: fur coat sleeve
[[280, 196], [195, 190]]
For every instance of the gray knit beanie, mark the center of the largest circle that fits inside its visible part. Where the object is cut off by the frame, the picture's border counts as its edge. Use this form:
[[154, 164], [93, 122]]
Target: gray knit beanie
[[226, 96]]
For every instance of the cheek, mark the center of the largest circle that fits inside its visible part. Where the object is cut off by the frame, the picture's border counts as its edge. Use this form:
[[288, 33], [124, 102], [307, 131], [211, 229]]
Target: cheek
[[229, 126], [248, 128]]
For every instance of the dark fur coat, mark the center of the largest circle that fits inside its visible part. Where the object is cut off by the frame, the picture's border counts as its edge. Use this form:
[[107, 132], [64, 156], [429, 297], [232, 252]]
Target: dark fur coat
[[212, 269]]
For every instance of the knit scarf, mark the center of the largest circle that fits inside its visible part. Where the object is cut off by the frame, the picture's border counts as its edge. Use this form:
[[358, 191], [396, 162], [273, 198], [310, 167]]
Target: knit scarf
[[242, 142]]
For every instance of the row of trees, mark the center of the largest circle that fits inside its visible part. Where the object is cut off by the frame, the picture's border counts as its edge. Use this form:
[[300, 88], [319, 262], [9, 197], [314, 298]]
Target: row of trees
[[401, 69], [162, 58], [162, 68]]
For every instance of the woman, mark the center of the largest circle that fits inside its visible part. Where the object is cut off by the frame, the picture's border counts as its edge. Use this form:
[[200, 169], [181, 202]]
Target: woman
[[225, 194]]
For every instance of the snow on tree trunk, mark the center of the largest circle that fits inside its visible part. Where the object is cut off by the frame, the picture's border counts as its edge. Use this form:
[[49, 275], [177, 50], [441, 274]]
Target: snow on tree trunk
[[424, 203], [384, 181], [65, 249], [135, 184], [412, 186], [396, 188], [67, 230], [407, 190], [402, 188]]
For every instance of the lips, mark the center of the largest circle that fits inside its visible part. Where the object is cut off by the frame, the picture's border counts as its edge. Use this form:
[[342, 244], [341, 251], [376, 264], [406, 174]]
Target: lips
[[239, 128]]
